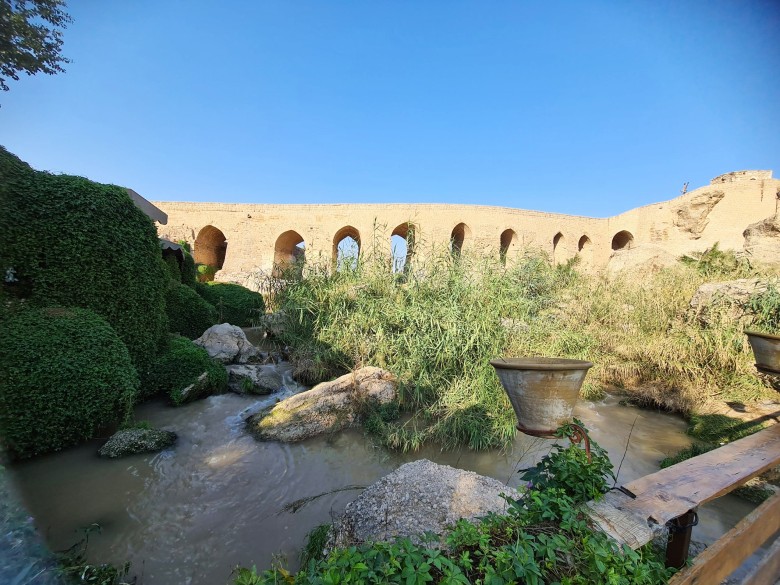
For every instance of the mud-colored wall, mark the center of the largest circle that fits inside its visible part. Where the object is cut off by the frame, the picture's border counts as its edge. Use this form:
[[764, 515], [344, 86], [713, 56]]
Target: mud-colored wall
[[718, 212]]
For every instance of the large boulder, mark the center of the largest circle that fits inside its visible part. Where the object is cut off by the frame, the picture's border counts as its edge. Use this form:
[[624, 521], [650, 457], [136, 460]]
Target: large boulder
[[714, 301], [643, 259], [762, 240], [132, 441], [228, 344], [328, 407], [416, 498], [253, 379]]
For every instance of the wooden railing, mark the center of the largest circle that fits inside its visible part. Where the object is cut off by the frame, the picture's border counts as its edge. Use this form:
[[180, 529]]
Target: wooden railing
[[668, 499]]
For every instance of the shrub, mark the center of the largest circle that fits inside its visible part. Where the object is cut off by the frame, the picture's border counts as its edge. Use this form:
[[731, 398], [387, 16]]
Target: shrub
[[73, 242], [172, 265], [189, 275], [179, 366], [205, 272], [188, 313], [64, 374], [236, 304]]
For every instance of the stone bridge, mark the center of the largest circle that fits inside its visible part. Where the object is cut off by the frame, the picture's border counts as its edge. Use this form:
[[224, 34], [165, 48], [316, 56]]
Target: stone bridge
[[240, 239]]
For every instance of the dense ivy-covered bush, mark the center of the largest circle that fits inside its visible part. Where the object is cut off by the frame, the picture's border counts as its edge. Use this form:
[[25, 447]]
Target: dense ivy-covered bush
[[172, 265], [236, 304], [189, 275], [180, 366], [189, 314], [73, 242], [64, 374]]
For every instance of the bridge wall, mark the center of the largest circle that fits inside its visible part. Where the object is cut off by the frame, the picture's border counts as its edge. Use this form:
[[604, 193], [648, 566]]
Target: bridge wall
[[718, 212]]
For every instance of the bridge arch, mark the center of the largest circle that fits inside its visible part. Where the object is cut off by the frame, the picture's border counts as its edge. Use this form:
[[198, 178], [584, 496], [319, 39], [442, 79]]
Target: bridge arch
[[557, 244], [402, 246], [585, 250], [508, 245], [289, 251], [460, 234], [210, 247], [346, 247], [623, 240]]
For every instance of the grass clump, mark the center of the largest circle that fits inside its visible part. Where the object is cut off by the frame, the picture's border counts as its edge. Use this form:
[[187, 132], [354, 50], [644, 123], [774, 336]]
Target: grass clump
[[235, 304], [64, 374], [543, 538], [180, 366], [436, 329]]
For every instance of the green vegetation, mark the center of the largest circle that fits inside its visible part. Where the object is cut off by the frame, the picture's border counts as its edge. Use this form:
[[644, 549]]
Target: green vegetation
[[437, 326], [235, 304], [189, 275], [64, 374], [543, 538], [180, 366], [172, 265], [76, 569], [189, 314], [71, 242]]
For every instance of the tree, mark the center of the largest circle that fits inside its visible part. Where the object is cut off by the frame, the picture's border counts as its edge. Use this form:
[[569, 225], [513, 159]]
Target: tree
[[31, 38]]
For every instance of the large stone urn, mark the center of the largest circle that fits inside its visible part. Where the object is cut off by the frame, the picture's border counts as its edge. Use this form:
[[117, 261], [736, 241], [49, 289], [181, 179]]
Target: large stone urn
[[543, 391], [766, 349]]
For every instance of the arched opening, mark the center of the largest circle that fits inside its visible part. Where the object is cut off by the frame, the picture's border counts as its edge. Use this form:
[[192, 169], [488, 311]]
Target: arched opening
[[346, 248], [508, 245], [210, 250], [402, 242], [623, 240], [557, 243], [585, 250], [460, 233], [289, 255]]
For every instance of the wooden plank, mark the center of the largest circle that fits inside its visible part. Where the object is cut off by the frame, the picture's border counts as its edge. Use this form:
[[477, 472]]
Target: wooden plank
[[767, 572], [730, 551], [622, 527], [671, 492]]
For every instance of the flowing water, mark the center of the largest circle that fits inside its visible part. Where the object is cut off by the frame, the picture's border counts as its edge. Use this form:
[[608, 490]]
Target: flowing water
[[190, 514]]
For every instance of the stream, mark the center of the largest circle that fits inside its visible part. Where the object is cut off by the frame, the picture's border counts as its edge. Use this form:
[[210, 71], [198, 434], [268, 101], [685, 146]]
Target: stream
[[190, 514]]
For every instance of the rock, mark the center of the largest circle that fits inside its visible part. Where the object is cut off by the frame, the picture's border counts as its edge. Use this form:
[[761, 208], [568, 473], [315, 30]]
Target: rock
[[253, 379], [643, 258], [416, 498], [228, 344], [715, 300], [762, 240], [328, 407], [691, 214], [132, 441]]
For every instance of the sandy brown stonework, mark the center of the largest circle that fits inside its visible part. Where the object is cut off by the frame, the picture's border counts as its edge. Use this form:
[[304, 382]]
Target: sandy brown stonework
[[248, 238]]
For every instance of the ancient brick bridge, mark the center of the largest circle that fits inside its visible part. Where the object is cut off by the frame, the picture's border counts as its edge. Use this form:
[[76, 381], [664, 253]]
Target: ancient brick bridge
[[241, 239]]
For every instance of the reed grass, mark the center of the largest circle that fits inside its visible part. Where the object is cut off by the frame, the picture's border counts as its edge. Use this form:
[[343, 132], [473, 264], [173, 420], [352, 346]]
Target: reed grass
[[437, 324]]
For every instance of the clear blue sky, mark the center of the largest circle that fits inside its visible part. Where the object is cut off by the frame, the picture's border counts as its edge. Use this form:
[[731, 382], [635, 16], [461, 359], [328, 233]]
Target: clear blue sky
[[584, 107]]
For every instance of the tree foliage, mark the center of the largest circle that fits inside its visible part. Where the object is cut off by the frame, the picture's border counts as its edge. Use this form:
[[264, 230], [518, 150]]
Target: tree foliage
[[31, 38]]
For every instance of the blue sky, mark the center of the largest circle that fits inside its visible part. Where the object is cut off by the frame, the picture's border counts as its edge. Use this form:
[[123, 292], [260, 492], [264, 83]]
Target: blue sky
[[587, 108]]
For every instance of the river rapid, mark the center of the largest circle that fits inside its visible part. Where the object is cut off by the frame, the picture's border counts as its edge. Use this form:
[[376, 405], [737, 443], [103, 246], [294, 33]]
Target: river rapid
[[190, 514]]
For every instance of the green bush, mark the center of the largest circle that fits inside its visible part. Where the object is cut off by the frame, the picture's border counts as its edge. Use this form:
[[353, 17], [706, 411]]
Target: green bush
[[172, 265], [73, 242], [180, 366], [236, 304], [64, 374], [188, 313], [189, 275]]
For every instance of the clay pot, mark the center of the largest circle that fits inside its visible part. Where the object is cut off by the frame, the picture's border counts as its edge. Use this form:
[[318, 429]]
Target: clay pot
[[766, 349], [543, 391]]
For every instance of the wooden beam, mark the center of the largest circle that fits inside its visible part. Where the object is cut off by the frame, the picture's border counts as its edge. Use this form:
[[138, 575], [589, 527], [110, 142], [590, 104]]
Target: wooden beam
[[730, 551], [767, 572], [671, 492]]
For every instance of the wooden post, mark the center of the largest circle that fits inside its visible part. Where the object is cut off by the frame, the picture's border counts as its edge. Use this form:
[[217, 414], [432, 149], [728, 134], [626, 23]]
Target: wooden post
[[680, 539]]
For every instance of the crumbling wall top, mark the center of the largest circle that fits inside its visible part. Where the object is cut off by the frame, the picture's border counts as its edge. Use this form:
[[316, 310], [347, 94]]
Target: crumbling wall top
[[741, 176]]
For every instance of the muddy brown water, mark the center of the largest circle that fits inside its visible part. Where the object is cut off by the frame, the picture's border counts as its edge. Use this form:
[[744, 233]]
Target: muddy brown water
[[190, 514]]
